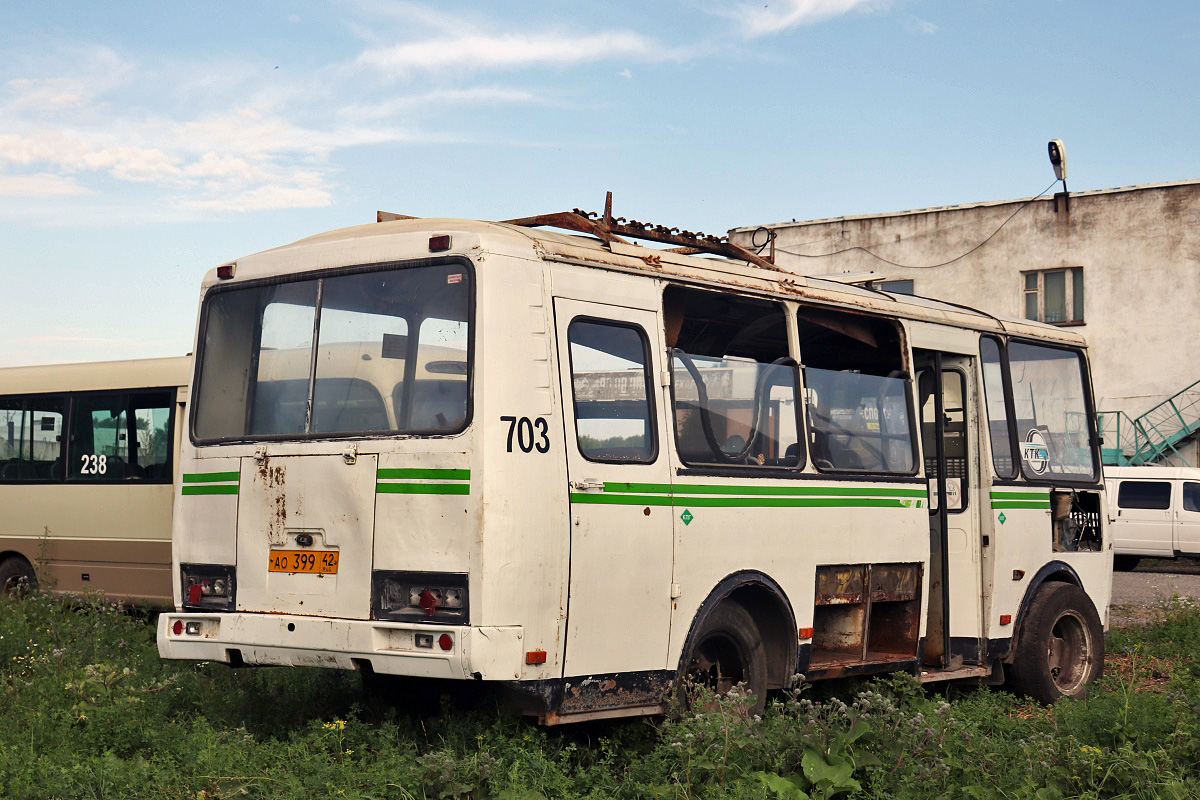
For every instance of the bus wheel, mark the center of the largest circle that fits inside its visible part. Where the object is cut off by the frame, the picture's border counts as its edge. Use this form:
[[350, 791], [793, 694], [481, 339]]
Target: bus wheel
[[728, 652], [1060, 649], [16, 577], [1125, 563]]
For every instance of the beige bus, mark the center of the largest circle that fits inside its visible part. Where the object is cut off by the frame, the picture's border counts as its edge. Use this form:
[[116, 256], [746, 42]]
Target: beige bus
[[87, 474], [594, 473]]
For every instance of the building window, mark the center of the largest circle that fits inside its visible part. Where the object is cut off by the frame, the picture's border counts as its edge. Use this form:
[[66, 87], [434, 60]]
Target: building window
[[1054, 295]]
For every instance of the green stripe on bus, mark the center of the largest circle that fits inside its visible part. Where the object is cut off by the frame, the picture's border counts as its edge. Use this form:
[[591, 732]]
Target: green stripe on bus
[[1021, 496], [736, 502], [216, 489], [209, 477], [414, 473], [697, 488], [1045, 504], [423, 488]]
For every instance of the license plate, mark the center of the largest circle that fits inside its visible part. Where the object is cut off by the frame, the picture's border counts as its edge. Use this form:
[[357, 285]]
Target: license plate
[[316, 562]]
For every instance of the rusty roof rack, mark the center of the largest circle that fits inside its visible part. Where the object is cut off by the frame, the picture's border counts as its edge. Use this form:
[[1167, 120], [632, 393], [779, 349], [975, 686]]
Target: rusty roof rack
[[607, 229]]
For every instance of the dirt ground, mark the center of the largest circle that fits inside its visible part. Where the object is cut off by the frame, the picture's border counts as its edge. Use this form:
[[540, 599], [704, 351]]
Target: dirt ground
[[1136, 594]]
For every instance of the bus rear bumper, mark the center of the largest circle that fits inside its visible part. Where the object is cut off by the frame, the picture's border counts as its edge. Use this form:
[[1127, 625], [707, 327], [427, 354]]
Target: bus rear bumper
[[391, 648]]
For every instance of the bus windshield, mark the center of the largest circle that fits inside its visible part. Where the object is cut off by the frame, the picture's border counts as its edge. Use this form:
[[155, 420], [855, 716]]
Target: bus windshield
[[367, 352]]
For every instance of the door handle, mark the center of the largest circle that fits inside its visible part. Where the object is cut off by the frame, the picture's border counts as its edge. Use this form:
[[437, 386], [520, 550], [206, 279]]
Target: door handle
[[588, 485]]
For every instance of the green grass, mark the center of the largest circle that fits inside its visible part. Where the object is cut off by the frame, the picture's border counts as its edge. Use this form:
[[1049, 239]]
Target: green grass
[[89, 710]]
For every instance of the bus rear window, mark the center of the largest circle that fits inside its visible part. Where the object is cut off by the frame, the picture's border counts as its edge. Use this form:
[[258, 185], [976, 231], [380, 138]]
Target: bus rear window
[[375, 352]]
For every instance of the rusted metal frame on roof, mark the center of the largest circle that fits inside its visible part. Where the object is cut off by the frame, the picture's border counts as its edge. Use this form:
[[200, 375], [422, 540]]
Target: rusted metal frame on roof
[[568, 221], [388, 216], [608, 229]]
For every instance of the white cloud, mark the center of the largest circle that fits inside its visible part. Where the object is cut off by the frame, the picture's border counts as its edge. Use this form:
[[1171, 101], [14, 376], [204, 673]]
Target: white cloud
[[266, 198], [762, 20], [920, 26], [472, 51], [43, 184], [237, 135]]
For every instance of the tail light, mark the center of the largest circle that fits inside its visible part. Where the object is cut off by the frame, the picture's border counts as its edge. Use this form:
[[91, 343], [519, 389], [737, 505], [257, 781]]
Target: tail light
[[207, 587], [420, 596]]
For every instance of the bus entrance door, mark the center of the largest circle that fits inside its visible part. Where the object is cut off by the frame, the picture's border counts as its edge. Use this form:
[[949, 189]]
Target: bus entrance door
[[619, 607], [946, 383]]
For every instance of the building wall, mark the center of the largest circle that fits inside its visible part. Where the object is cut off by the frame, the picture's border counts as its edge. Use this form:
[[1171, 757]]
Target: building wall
[[1139, 248]]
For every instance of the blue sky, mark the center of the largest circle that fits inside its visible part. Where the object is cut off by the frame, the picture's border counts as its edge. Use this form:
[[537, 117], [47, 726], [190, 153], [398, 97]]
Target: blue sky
[[142, 143]]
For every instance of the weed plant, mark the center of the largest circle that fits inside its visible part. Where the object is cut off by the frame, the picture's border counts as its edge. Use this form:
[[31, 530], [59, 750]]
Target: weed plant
[[90, 711]]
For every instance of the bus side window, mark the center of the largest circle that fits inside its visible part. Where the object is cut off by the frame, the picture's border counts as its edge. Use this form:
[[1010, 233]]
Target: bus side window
[[120, 437], [611, 381], [857, 392], [734, 381], [30, 438], [999, 418]]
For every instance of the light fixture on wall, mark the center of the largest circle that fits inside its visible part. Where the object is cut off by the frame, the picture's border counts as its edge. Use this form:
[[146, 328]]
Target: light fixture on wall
[[1058, 159]]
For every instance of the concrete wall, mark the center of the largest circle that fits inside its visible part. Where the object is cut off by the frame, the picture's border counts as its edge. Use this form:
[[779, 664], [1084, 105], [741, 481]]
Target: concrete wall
[[1139, 248]]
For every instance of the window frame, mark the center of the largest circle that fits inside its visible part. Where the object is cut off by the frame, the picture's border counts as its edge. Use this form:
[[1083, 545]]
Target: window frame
[[731, 469], [1085, 369], [321, 274], [1132, 482], [130, 405], [647, 374], [1073, 279], [1006, 384], [69, 400]]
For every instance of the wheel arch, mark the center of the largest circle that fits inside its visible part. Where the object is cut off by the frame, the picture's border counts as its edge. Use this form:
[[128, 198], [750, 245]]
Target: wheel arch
[[1053, 572], [768, 604]]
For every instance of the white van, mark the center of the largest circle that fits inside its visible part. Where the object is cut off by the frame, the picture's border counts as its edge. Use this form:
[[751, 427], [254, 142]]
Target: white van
[[1153, 511]]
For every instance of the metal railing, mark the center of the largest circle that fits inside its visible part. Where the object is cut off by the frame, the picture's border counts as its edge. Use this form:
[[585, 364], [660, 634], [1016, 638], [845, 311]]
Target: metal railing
[[1154, 435]]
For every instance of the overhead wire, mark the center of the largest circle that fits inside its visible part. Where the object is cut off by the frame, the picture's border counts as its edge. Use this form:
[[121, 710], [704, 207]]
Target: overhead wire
[[991, 236]]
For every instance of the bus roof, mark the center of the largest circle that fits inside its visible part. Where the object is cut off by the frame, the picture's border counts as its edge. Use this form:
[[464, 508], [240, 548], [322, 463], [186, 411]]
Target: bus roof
[[363, 244], [96, 376]]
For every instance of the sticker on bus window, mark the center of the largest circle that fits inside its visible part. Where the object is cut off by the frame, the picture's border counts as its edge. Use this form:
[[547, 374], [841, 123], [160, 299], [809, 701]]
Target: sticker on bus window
[[1035, 452], [953, 494], [454, 278]]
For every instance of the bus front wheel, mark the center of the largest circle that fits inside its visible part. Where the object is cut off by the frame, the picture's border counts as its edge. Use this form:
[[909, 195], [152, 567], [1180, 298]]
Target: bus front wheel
[[1060, 649], [727, 652], [16, 576]]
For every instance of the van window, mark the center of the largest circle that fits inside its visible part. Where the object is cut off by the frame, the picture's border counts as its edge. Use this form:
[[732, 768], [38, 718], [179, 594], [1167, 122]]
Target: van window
[[1191, 497], [1144, 494]]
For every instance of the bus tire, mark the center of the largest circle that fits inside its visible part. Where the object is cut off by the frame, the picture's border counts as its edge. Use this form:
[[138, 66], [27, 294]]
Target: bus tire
[[727, 652], [1123, 563], [17, 577], [1060, 649]]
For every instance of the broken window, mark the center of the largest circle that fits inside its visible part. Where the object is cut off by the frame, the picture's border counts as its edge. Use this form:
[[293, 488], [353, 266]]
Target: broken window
[[857, 391], [734, 383]]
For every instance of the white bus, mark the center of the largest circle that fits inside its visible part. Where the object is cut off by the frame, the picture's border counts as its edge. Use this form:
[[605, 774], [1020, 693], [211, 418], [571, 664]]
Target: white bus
[[87, 457], [593, 471]]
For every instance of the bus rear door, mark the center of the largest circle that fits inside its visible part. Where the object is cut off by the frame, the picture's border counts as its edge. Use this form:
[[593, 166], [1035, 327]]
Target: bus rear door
[[619, 608]]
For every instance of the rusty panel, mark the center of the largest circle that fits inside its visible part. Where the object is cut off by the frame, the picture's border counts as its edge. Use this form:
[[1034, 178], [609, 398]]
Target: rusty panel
[[891, 582], [838, 585], [589, 694]]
